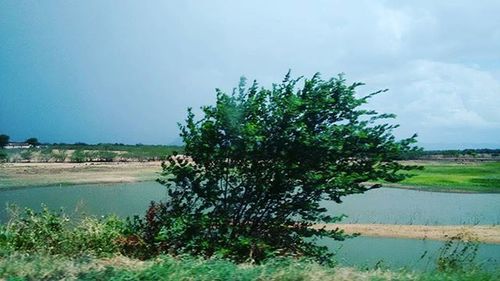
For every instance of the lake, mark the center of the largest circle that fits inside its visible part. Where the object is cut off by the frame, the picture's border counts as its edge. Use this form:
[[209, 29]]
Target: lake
[[384, 205]]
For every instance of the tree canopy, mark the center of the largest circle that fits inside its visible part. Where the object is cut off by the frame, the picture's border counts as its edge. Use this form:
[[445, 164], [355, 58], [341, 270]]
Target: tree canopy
[[4, 140], [33, 141], [259, 163]]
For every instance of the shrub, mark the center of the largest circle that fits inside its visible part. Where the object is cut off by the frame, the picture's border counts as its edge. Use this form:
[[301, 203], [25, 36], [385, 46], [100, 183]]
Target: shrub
[[259, 163], [46, 155], [26, 155], [78, 156], [59, 155], [458, 253], [49, 232], [105, 156], [3, 156]]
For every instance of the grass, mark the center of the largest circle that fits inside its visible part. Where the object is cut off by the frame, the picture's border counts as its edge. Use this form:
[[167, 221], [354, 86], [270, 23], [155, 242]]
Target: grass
[[451, 176], [40, 267], [51, 246]]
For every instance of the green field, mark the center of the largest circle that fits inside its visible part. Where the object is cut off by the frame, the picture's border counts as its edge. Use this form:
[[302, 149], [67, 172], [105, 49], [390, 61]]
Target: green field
[[459, 177]]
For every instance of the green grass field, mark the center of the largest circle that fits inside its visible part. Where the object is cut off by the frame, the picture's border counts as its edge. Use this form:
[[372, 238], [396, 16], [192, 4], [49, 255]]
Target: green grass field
[[450, 176]]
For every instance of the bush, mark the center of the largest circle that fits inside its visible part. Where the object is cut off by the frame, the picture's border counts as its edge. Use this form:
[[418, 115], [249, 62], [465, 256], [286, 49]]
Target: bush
[[26, 155], [50, 233], [259, 163], [458, 254], [105, 156], [45, 155], [59, 155], [3, 156], [78, 156]]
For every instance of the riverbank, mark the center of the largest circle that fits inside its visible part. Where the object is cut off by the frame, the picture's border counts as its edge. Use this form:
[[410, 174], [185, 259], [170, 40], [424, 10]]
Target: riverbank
[[17, 175], [453, 176], [438, 176], [480, 233]]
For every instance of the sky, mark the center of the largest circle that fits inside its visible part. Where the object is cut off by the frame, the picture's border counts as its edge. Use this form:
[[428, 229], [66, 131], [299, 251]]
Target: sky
[[126, 71]]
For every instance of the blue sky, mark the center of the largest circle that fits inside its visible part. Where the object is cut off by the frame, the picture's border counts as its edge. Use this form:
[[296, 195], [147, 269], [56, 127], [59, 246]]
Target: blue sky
[[109, 71]]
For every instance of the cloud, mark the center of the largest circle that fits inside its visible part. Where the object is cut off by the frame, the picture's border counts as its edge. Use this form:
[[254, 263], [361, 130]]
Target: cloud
[[439, 59], [443, 102]]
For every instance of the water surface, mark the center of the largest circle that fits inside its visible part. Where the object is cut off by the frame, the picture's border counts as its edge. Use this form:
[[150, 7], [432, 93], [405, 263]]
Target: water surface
[[384, 205], [403, 206], [123, 199]]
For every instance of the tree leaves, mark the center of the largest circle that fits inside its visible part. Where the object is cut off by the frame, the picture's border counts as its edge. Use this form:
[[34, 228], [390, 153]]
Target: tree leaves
[[261, 162]]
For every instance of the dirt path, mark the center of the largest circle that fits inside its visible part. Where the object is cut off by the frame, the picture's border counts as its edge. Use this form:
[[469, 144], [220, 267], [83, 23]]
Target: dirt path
[[483, 233]]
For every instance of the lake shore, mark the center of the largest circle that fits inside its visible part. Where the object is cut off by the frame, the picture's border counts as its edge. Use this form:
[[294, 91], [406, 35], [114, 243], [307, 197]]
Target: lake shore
[[18, 175], [483, 233]]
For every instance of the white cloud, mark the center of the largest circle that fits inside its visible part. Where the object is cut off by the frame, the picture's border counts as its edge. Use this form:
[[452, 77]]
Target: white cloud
[[456, 95], [442, 101]]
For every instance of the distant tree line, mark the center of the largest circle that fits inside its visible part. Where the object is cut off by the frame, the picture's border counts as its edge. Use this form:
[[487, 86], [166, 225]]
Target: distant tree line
[[449, 153], [81, 152]]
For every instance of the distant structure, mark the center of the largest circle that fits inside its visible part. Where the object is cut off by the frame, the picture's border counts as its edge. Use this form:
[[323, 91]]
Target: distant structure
[[14, 145]]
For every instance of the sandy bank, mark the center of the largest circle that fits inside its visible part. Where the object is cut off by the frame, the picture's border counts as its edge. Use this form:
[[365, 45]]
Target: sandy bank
[[14, 175], [483, 233]]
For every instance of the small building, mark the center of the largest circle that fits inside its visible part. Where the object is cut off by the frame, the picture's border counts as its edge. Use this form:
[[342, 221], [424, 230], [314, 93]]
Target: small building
[[14, 145]]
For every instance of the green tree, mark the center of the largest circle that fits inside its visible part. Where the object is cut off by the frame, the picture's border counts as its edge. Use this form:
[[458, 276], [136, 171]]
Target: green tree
[[106, 156], [4, 140], [26, 155], [33, 141], [59, 155], [259, 163], [78, 156]]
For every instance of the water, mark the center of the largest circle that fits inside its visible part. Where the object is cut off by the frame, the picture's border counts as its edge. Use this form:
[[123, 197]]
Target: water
[[402, 206], [93, 199], [384, 205], [367, 252], [377, 206]]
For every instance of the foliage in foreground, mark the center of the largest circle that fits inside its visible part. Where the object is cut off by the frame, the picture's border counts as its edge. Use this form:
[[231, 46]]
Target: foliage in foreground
[[258, 164], [40, 267], [50, 246], [56, 234]]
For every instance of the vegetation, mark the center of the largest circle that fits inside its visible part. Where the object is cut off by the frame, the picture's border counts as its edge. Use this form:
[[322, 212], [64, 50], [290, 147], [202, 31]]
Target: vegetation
[[38, 267], [50, 233], [4, 140], [3, 155], [79, 156], [449, 176], [79, 153], [458, 254], [451, 154], [33, 141], [258, 164], [59, 155], [53, 246]]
